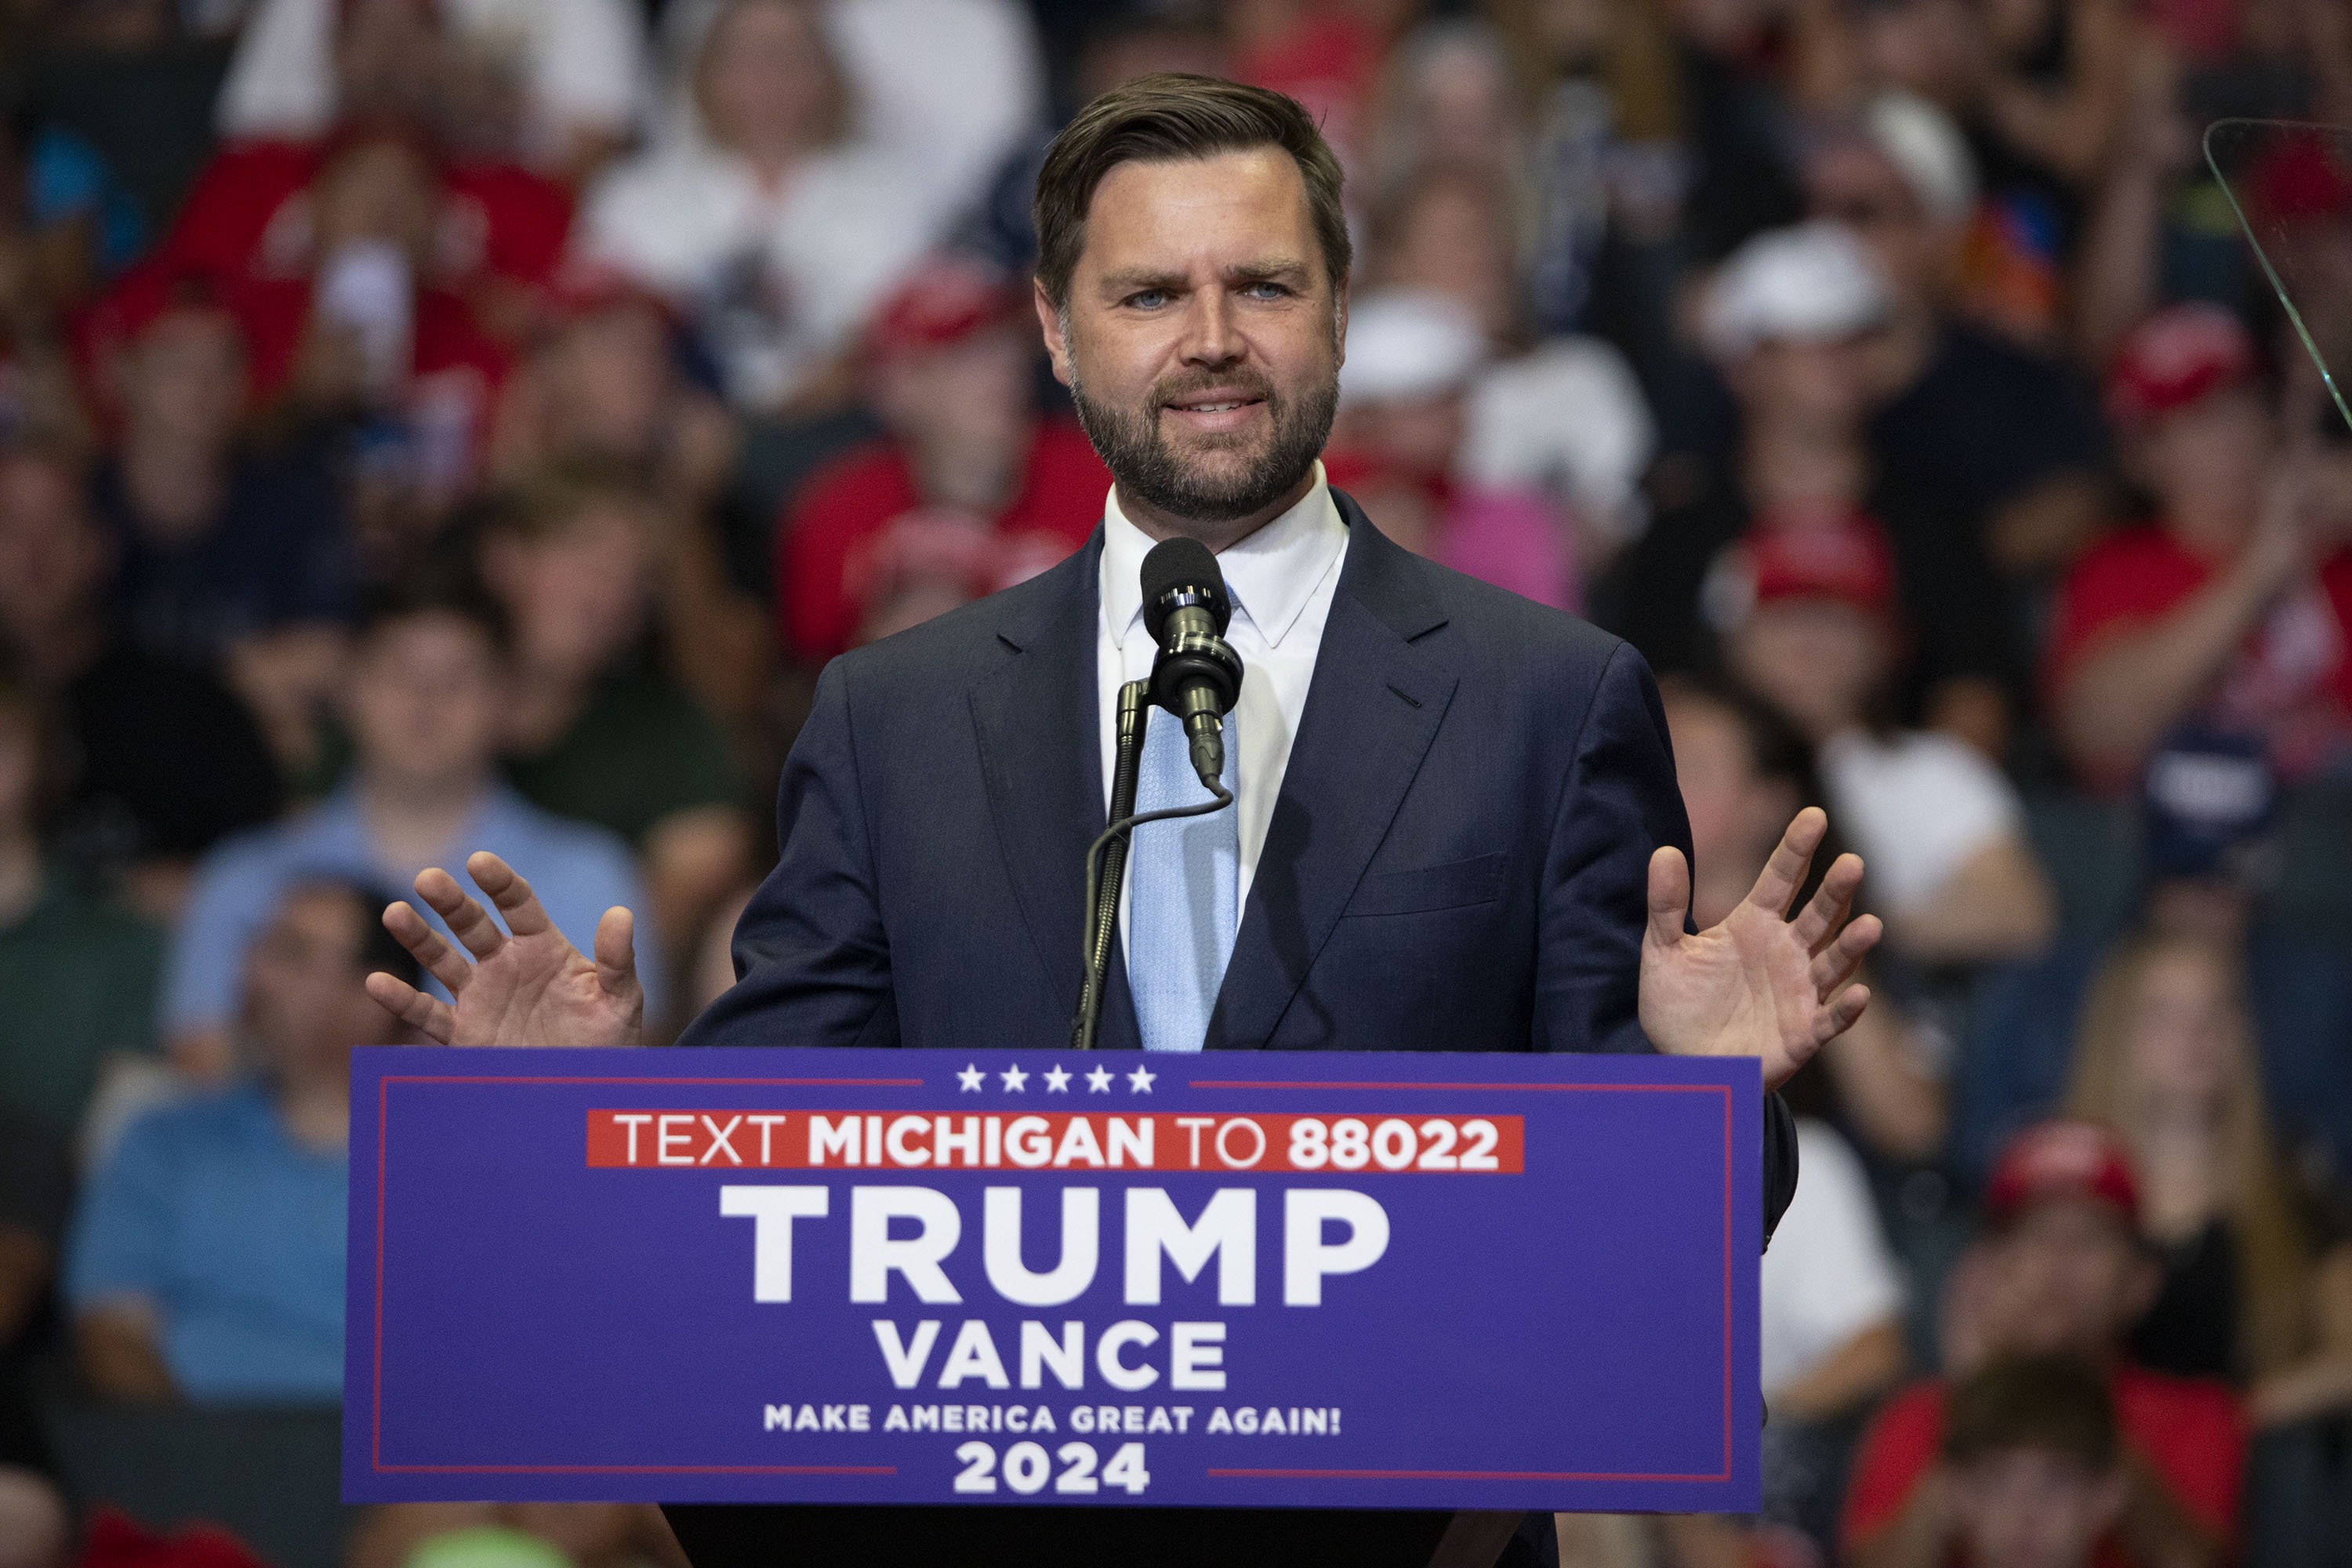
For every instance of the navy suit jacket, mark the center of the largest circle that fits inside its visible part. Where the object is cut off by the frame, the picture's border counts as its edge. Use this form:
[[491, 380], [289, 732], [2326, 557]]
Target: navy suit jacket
[[1457, 860]]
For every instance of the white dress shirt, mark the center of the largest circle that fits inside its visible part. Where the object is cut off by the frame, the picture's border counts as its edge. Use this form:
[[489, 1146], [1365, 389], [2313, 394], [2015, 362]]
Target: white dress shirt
[[581, 64], [1282, 578]]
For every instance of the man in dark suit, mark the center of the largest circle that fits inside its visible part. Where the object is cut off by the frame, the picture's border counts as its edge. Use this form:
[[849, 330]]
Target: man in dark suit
[[1457, 828]]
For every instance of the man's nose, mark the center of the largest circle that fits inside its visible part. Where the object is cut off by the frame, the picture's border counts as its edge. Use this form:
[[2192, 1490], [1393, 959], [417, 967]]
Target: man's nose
[[1211, 335]]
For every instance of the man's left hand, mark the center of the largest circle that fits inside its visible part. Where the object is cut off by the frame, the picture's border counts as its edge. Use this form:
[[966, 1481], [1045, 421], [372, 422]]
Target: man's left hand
[[1759, 984]]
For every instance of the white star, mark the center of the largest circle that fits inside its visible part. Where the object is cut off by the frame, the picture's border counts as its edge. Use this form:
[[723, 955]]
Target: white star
[[970, 1077], [1058, 1080], [1140, 1080], [1099, 1080], [1013, 1079]]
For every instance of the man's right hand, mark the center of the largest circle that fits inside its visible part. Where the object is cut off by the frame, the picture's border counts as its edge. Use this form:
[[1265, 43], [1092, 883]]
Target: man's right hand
[[527, 985]]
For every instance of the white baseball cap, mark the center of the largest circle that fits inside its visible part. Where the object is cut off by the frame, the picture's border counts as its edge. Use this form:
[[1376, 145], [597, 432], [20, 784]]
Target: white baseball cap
[[1404, 344], [1927, 150], [1810, 283]]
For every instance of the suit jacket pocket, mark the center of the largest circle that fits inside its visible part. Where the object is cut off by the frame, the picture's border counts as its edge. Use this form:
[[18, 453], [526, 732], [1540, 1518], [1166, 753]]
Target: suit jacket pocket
[[1457, 884]]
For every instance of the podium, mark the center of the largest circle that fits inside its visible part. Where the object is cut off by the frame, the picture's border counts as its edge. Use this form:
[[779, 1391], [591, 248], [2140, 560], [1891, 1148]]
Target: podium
[[952, 1285]]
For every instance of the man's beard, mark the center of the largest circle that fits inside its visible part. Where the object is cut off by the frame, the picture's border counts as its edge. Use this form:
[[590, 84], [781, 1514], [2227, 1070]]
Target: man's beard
[[1152, 471]]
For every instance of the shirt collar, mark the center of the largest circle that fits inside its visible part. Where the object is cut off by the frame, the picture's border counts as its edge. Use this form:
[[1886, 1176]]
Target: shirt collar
[[1272, 574]]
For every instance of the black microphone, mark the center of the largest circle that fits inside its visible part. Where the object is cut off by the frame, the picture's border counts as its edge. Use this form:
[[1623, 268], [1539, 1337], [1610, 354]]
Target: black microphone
[[1197, 675]]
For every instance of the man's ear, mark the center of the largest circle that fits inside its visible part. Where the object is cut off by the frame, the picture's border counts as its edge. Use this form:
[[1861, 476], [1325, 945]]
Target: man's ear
[[1339, 323], [1049, 322]]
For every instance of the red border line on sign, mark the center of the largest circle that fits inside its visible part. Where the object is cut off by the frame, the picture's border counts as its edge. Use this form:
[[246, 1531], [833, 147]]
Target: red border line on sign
[[383, 1115], [1498, 1088], [1722, 1475], [382, 1142], [1726, 1284], [787, 1082], [375, 1456], [1452, 1476]]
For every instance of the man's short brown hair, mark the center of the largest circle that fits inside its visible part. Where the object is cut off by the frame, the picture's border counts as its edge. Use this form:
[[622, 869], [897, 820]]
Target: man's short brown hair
[[1166, 118], [2059, 1404]]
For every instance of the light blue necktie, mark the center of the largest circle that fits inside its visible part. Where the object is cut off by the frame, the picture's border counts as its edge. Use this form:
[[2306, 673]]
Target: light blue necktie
[[1183, 890]]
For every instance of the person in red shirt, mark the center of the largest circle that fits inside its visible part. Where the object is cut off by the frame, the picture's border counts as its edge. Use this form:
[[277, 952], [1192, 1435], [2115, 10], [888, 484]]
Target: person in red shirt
[[972, 490], [498, 229], [250, 213], [2063, 1273], [363, 330], [2036, 1462], [2233, 608], [1328, 56]]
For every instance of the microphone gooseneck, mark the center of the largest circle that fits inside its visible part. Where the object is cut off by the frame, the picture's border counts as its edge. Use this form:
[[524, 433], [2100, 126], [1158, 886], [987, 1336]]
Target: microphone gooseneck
[[1197, 676]]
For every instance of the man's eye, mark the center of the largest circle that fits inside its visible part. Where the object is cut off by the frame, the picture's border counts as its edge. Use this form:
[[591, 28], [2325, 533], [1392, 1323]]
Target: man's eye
[[1149, 299], [1267, 291]]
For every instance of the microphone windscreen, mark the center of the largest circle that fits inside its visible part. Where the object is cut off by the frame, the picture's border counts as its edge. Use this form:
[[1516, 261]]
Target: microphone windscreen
[[1177, 563]]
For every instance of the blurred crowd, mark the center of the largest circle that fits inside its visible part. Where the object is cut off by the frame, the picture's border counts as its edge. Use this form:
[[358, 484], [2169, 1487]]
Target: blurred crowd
[[429, 426]]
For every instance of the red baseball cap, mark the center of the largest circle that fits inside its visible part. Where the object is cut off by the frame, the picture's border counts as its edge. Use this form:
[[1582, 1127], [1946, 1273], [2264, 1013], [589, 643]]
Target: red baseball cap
[[2062, 1158], [2174, 357], [944, 301], [1840, 554], [146, 294]]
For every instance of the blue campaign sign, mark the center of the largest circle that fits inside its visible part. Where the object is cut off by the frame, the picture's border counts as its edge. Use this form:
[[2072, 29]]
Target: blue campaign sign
[[1243, 1278]]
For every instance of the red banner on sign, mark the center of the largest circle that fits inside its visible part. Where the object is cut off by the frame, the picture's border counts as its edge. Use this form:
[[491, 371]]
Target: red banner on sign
[[898, 1141]]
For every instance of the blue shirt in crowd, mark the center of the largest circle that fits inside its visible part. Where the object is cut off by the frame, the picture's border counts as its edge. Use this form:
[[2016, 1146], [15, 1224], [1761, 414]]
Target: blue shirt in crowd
[[212, 1212], [578, 872], [65, 178]]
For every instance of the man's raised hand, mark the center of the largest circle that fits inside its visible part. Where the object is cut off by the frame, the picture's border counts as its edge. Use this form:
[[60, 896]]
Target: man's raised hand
[[526, 985], [1759, 984]]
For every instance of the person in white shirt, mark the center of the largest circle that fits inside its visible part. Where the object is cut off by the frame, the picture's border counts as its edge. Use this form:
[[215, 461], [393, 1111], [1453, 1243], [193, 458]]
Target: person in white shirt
[[577, 67], [764, 216], [1831, 1292], [1743, 769], [1832, 1295], [1807, 608], [1563, 415], [950, 88]]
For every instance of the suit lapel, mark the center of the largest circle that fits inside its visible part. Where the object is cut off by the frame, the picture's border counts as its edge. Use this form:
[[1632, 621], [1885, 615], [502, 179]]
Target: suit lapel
[[1372, 709], [1039, 728]]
